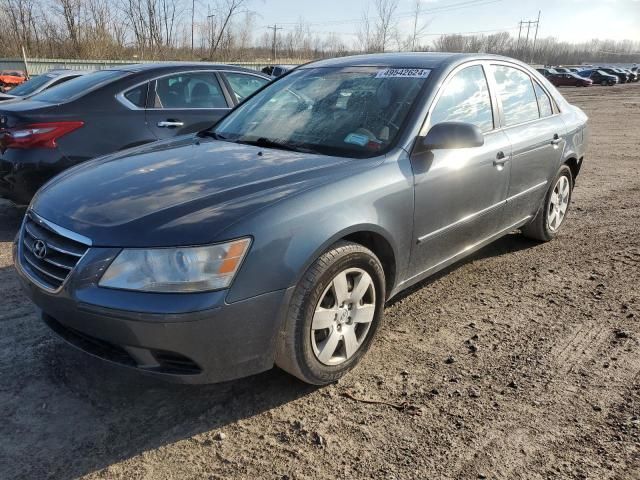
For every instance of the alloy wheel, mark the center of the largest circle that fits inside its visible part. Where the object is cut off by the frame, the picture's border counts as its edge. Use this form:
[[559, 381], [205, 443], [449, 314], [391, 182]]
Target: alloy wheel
[[343, 316], [558, 203]]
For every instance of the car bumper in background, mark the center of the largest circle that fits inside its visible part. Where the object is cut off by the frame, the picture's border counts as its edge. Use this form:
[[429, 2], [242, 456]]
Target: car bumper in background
[[23, 172]]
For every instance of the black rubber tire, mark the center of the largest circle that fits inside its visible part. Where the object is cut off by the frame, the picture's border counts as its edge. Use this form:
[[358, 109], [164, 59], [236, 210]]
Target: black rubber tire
[[294, 352], [538, 228]]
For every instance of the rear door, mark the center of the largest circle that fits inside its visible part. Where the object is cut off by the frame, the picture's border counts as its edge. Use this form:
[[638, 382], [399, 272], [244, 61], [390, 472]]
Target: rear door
[[185, 102], [532, 122], [460, 193]]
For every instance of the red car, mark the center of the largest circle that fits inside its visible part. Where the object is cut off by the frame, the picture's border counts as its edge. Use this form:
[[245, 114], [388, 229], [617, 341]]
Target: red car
[[11, 78], [569, 80]]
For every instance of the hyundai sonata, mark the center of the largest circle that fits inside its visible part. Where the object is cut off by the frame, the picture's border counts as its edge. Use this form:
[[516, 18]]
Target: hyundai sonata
[[277, 236]]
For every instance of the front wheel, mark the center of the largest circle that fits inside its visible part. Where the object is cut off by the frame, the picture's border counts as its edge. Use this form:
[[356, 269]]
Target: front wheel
[[333, 315], [552, 213]]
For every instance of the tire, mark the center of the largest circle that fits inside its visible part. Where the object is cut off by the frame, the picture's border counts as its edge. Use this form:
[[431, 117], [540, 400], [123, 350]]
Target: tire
[[546, 224], [303, 343]]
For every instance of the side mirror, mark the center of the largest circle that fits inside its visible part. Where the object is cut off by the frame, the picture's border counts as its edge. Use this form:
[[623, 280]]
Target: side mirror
[[447, 135]]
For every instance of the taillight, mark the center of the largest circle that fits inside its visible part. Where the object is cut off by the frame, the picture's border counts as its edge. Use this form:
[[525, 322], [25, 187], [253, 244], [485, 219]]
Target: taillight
[[36, 135]]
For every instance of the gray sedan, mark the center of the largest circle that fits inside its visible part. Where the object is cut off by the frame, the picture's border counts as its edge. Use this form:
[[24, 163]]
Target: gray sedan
[[277, 236]]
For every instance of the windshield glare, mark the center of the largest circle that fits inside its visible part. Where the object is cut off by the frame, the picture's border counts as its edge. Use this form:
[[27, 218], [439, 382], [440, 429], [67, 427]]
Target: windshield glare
[[352, 112]]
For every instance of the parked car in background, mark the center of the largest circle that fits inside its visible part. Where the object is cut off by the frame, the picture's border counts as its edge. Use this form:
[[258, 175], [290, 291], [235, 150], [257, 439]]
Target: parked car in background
[[547, 72], [562, 70], [633, 76], [111, 110], [569, 80], [276, 71], [622, 77], [278, 235], [10, 79], [600, 77], [40, 83]]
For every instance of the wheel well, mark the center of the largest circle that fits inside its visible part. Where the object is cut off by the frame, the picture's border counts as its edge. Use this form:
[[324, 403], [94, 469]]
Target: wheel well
[[574, 164], [382, 249]]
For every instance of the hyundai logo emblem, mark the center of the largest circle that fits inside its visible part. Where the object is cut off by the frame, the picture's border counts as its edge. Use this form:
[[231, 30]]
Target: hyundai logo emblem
[[39, 249]]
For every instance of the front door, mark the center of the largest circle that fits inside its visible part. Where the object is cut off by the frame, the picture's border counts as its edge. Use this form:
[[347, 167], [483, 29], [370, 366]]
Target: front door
[[183, 103], [460, 193]]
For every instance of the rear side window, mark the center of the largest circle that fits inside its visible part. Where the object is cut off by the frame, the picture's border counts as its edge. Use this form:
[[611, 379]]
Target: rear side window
[[189, 90], [137, 95], [79, 86], [465, 99], [516, 92], [544, 102], [244, 85]]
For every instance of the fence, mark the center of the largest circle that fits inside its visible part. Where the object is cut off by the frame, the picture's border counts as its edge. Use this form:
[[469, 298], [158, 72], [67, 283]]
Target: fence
[[38, 66]]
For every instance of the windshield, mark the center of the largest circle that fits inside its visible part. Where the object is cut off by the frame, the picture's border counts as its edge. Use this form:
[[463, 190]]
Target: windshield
[[31, 86], [351, 111], [78, 86]]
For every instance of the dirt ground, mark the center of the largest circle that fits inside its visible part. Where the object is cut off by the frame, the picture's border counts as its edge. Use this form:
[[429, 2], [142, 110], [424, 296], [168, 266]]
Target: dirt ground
[[524, 361]]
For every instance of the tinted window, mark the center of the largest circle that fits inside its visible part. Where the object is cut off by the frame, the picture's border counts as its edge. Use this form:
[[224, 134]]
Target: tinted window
[[138, 95], [79, 86], [244, 85], [189, 90], [32, 85], [544, 102], [465, 99], [62, 80], [516, 92]]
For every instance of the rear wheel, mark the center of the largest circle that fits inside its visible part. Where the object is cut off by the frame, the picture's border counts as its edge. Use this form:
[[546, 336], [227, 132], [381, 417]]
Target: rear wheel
[[552, 213], [333, 315]]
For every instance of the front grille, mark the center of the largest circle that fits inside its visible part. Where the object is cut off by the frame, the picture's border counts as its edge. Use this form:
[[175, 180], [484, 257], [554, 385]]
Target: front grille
[[49, 253]]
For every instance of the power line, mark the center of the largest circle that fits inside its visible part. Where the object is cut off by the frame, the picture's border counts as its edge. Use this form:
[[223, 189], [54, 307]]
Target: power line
[[441, 9]]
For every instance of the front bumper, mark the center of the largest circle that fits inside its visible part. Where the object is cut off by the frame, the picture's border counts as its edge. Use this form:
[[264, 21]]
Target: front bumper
[[185, 338]]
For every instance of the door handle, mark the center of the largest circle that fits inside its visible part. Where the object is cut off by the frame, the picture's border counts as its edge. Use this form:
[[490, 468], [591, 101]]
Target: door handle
[[500, 160], [170, 124], [556, 139]]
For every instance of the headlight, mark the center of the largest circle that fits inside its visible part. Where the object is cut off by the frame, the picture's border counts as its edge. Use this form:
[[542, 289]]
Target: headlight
[[183, 269]]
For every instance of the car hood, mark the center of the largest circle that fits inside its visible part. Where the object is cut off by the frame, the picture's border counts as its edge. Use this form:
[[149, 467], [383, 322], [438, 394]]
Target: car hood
[[179, 192], [5, 96]]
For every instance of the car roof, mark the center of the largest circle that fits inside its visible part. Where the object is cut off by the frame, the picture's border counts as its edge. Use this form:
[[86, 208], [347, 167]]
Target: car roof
[[430, 60], [171, 66]]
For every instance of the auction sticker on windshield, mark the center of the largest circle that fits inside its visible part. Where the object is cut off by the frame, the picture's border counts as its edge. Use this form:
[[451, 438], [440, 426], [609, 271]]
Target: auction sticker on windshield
[[404, 73]]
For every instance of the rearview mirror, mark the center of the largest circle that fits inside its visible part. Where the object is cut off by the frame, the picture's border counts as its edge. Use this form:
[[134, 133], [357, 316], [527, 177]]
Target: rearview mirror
[[452, 135]]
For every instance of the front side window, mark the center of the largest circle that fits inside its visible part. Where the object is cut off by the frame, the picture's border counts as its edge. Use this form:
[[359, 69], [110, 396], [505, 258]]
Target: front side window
[[244, 85], [354, 112], [515, 89], [189, 90], [465, 99], [544, 102]]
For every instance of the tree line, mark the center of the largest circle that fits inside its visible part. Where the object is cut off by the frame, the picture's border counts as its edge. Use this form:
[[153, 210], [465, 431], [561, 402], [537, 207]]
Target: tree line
[[230, 30]]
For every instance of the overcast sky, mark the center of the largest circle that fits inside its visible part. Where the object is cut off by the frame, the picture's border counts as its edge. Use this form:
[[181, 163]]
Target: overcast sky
[[575, 20]]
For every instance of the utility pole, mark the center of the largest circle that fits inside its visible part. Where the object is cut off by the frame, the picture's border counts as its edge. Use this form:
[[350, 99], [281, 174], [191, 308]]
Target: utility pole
[[529, 23], [193, 17], [519, 35], [275, 29], [535, 37], [210, 17]]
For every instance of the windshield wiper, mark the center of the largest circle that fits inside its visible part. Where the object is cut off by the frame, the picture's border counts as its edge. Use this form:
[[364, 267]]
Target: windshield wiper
[[268, 143], [211, 134]]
